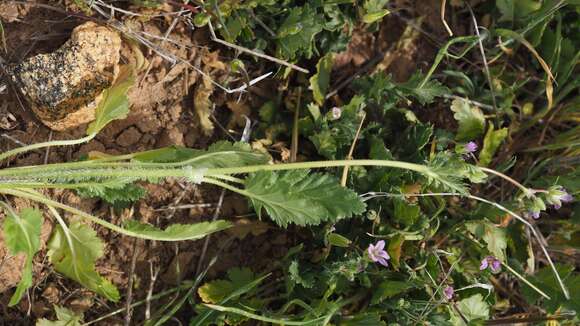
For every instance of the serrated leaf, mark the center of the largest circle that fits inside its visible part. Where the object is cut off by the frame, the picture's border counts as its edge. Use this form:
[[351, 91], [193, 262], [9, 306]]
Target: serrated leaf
[[425, 92], [321, 80], [325, 143], [177, 232], [494, 237], [297, 32], [390, 288], [114, 193], [307, 281], [64, 316], [115, 103], [22, 235], [221, 154], [470, 118], [73, 252], [472, 308], [301, 198], [544, 279], [491, 142]]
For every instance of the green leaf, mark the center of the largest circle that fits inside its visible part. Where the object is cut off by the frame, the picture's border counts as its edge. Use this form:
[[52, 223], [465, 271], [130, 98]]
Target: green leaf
[[491, 142], [178, 232], [22, 235], [544, 279], [374, 10], [363, 319], [115, 103], [406, 214], [390, 288], [325, 143], [73, 252], [297, 32], [221, 154], [114, 193], [472, 308], [425, 92], [301, 198], [218, 290], [64, 316], [470, 118], [307, 281], [321, 80], [494, 237], [512, 10]]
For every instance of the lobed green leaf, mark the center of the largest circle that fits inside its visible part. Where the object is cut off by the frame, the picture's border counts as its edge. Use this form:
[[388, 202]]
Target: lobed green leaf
[[301, 198], [22, 235]]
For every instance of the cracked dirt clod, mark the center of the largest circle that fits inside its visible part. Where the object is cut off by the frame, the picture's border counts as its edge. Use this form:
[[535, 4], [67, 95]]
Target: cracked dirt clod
[[65, 86]]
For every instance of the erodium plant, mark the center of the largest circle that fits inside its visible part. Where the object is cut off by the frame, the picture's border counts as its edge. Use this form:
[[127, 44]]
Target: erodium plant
[[289, 193]]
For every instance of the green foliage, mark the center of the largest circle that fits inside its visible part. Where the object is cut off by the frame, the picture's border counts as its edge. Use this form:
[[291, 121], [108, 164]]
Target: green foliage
[[491, 142], [544, 279], [115, 104], [321, 80], [74, 251], [374, 10], [494, 237], [115, 194], [221, 154], [177, 232], [472, 309], [64, 316], [470, 119], [301, 198], [296, 34], [216, 291], [22, 235]]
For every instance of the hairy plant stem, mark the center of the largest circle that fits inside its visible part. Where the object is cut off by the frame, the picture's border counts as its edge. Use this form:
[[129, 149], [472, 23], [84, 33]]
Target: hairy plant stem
[[17, 177], [28, 148]]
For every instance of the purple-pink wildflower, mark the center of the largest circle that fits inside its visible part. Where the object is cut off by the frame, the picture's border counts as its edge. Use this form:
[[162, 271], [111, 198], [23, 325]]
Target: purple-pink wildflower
[[534, 214], [563, 198], [490, 262], [448, 291], [470, 147], [378, 254]]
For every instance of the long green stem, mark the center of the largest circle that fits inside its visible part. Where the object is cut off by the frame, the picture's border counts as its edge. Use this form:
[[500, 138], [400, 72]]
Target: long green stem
[[23, 177], [49, 202], [32, 147]]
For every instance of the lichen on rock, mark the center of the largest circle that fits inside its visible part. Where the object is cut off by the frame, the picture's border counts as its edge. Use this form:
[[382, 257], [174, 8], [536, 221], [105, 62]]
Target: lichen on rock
[[64, 87]]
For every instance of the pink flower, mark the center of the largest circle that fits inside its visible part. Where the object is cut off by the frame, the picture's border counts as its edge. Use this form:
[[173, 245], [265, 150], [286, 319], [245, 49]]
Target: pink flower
[[448, 291], [470, 147], [378, 254], [492, 262]]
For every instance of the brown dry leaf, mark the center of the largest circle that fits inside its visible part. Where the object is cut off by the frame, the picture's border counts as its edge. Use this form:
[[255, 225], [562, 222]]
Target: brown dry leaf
[[202, 105], [211, 60], [244, 226], [239, 110], [180, 265], [412, 189]]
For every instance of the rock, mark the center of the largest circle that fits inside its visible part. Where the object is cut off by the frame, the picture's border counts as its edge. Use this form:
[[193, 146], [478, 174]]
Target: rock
[[64, 87], [129, 137]]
